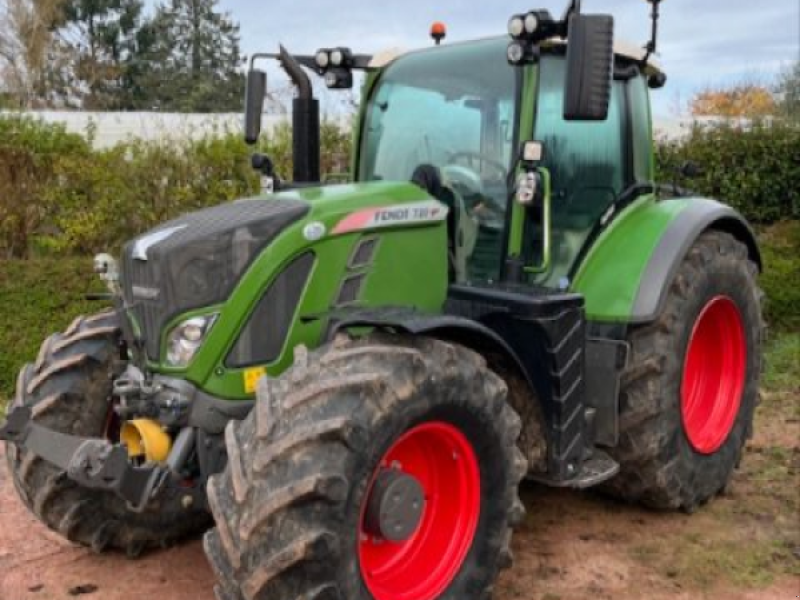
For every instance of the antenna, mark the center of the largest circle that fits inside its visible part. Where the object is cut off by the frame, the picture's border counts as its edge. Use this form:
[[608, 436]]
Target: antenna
[[652, 45]]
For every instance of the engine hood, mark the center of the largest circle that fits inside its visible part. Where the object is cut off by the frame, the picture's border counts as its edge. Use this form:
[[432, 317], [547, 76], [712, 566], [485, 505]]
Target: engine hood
[[197, 259]]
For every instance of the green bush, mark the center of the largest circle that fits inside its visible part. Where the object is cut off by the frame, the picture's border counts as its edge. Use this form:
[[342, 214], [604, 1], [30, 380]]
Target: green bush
[[756, 170], [59, 195], [115, 194], [31, 154]]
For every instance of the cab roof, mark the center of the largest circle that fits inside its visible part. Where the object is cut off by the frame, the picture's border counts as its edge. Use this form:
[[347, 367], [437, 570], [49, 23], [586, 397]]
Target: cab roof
[[623, 49]]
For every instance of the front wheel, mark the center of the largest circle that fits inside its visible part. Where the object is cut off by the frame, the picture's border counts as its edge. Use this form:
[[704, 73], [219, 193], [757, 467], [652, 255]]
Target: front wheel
[[68, 389], [690, 390], [383, 468]]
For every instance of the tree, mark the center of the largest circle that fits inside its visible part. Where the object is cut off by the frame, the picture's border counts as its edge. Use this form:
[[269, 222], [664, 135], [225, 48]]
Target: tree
[[189, 59], [102, 37], [746, 100], [788, 90], [34, 63]]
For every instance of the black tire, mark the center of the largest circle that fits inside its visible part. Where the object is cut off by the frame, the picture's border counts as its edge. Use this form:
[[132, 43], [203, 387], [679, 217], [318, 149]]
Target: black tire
[[68, 388], [300, 466], [660, 467]]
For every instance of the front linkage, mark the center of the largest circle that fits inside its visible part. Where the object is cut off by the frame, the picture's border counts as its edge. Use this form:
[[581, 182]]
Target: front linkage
[[90, 462]]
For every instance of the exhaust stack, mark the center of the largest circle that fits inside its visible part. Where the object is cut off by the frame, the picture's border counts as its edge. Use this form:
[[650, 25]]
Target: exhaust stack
[[305, 122]]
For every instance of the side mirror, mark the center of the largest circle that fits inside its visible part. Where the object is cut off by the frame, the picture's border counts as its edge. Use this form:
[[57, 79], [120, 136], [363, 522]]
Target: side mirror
[[691, 170], [590, 63], [254, 104]]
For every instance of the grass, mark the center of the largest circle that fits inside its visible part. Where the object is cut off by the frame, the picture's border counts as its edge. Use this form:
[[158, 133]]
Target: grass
[[783, 362], [750, 537], [780, 247]]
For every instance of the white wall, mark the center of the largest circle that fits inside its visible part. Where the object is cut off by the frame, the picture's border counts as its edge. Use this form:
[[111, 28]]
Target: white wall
[[114, 127]]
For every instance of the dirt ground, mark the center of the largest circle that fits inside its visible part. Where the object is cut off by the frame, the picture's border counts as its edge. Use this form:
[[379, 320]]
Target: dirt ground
[[743, 546]]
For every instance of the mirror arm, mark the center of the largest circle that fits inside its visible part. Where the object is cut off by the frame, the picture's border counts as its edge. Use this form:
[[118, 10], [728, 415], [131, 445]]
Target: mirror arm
[[574, 8], [652, 45]]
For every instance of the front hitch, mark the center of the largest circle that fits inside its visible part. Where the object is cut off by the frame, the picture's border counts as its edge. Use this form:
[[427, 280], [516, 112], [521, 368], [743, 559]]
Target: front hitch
[[90, 462]]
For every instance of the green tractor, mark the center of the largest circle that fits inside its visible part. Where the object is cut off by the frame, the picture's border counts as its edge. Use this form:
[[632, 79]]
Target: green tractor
[[349, 382]]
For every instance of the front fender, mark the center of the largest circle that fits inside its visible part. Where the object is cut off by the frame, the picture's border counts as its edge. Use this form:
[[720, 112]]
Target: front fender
[[626, 275]]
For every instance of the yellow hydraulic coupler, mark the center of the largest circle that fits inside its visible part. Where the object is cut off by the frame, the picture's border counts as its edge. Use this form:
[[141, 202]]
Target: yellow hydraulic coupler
[[145, 438]]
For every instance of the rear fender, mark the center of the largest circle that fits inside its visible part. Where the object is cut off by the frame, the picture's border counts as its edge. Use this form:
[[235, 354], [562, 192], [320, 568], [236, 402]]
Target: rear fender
[[626, 275]]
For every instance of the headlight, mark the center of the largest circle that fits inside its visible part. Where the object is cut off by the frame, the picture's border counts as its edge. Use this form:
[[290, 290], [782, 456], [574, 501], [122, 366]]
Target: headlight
[[185, 340]]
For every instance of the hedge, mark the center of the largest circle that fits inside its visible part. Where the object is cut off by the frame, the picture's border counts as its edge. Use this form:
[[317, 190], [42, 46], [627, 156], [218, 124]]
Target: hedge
[[58, 194], [754, 169]]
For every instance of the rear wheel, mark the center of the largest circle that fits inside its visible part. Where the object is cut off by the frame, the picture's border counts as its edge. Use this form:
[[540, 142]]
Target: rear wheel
[[384, 468], [691, 388]]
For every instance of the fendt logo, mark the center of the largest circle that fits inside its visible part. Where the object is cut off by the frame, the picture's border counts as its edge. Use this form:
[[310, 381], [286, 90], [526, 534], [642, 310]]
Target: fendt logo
[[414, 214], [429, 211]]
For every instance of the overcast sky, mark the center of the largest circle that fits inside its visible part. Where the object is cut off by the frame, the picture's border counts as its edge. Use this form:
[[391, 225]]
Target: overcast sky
[[702, 42]]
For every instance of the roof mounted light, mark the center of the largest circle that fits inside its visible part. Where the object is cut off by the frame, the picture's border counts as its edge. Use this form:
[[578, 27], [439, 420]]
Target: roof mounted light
[[531, 23], [323, 59], [533, 26], [339, 78], [516, 26], [438, 32], [516, 52]]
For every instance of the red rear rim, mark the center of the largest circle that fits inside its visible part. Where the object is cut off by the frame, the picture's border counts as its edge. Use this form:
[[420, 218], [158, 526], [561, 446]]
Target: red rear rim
[[444, 463], [713, 375]]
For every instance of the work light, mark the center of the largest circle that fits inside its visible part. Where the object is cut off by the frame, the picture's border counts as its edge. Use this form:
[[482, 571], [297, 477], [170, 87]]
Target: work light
[[323, 59], [516, 26], [516, 52], [339, 79], [531, 23]]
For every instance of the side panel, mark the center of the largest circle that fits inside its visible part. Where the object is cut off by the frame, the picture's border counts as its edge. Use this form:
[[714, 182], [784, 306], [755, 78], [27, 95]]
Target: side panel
[[624, 276]]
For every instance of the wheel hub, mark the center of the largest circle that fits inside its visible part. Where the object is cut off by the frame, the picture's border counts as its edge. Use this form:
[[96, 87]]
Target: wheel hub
[[394, 510], [420, 514], [713, 375]]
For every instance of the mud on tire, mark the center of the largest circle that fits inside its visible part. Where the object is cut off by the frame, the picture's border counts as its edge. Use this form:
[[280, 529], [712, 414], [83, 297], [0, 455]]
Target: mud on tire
[[68, 389], [660, 468], [287, 507]]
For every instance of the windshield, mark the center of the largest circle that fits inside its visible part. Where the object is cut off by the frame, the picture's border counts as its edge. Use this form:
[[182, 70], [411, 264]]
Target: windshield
[[454, 109]]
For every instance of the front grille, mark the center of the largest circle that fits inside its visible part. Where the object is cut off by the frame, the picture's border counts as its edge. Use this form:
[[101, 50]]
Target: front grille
[[197, 260]]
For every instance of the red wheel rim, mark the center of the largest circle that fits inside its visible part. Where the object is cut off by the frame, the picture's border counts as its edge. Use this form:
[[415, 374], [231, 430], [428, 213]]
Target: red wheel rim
[[443, 461], [713, 375]]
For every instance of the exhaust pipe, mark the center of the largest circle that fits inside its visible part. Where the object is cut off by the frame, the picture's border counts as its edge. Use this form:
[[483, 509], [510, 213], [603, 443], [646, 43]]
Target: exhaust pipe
[[305, 122]]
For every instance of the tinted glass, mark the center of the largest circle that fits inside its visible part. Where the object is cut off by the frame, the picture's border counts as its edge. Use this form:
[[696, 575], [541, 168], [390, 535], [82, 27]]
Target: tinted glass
[[586, 161], [453, 108]]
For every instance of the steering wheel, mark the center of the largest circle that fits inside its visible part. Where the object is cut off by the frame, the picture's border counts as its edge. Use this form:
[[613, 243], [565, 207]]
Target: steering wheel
[[481, 159], [470, 182]]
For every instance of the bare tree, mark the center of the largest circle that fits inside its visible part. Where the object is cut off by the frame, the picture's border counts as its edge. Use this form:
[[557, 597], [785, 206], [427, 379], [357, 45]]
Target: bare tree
[[34, 64]]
